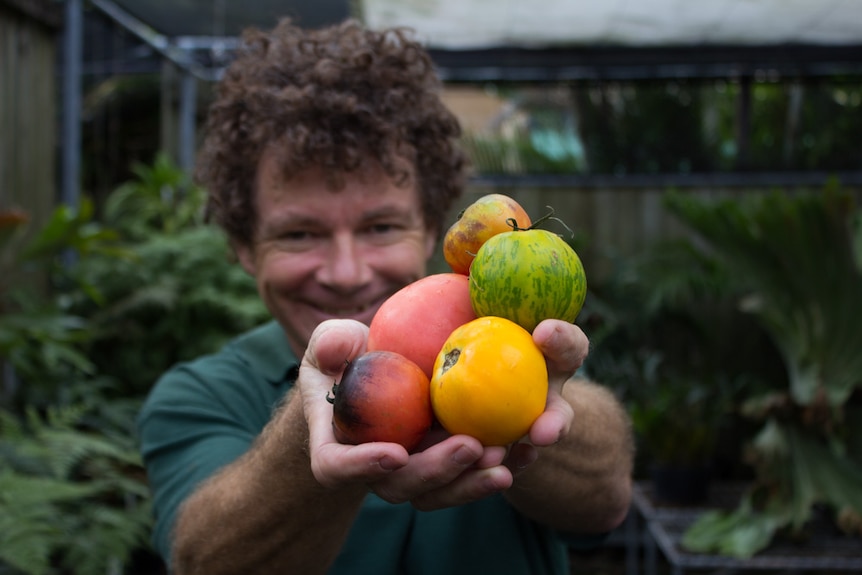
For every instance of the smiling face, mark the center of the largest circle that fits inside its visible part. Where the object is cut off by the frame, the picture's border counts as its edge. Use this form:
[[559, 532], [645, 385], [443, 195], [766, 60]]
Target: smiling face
[[320, 254]]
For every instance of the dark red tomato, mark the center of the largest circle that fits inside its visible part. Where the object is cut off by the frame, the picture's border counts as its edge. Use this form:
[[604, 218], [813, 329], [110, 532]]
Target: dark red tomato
[[382, 396]]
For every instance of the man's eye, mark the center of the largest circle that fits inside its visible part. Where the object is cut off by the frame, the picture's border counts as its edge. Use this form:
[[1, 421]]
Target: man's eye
[[297, 235], [382, 228]]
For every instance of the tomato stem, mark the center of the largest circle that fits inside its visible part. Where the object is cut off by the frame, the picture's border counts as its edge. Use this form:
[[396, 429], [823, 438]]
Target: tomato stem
[[550, 216], [513, 223]]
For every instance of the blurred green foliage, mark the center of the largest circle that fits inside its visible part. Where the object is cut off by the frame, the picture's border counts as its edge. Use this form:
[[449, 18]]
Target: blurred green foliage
[[674, 127], [750, 321], [92, 312], [796, 261]]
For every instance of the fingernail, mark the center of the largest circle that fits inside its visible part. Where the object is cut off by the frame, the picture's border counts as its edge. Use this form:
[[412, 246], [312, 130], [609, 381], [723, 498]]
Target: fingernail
[[528, 459], [388, 464], [464, 456]]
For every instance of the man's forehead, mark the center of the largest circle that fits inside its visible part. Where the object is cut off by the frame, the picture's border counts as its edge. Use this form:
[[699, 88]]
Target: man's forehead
[[277, 166]]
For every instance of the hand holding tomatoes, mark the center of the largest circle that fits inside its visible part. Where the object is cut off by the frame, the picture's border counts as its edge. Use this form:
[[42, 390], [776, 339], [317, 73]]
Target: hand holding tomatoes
[[448, 470], [451, 471]]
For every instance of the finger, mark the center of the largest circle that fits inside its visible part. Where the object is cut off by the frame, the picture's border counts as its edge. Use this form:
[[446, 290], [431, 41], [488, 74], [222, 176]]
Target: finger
[[472, 485], [331, 346], [334, 464], [521, 455], [491, 457], [434, 436], [428, 470]]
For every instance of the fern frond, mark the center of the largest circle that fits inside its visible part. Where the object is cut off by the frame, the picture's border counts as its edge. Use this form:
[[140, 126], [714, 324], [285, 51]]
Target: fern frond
[[28, 536], [18, 490]]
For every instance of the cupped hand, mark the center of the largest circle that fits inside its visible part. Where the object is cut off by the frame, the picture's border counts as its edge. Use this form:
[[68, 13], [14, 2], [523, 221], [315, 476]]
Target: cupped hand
[[448, 471]]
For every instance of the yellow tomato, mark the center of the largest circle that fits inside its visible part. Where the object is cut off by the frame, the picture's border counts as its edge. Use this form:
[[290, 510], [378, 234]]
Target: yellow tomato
[[490, 381]]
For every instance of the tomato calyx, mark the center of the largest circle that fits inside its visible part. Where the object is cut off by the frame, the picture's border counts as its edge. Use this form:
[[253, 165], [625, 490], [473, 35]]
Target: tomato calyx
[[330, 395], [450, 359]]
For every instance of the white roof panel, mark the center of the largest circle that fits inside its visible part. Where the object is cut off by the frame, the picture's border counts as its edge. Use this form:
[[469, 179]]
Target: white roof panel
[[467, 24]]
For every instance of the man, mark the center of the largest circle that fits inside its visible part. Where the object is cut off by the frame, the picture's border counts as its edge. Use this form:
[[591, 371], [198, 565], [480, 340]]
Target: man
[[331, 164]]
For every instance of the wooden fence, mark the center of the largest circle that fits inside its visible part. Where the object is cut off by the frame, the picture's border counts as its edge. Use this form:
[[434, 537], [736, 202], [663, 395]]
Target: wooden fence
[[611, 221], [28, 106]]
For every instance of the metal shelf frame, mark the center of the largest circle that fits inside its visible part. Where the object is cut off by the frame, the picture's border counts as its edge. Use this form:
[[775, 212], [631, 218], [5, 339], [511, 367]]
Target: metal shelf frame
[[658, 528]]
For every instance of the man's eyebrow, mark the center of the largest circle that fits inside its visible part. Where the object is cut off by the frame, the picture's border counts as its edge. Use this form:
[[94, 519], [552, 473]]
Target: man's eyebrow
[[278, 222], [387, 211]]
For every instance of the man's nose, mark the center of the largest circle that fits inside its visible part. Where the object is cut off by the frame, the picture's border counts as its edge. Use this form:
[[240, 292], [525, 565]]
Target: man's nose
[[345, 267]]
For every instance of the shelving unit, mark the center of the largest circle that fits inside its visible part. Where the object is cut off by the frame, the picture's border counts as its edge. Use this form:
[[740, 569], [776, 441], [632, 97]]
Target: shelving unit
[[658, 528]]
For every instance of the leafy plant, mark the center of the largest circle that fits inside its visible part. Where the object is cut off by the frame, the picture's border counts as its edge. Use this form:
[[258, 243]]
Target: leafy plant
[[161, 198], [796, 258], [681, 422], [70, 497], [667, 338], [39, 338], [176, 295], [93, 312]]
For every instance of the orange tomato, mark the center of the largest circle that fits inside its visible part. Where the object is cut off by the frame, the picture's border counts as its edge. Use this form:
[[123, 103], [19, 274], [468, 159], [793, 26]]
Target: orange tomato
[[490, 381], [488, 216]]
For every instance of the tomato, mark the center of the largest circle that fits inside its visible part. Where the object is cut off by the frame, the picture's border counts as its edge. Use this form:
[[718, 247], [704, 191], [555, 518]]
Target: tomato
[[490, 381], [382, 396], [527, 276], [489, 215], [417, 319]]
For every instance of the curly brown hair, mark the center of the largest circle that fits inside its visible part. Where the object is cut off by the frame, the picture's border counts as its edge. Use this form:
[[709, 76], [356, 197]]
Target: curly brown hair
[[332, 98]]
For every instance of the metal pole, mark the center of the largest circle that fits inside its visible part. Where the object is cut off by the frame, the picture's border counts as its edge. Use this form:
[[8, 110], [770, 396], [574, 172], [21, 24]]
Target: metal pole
[[72, 55], [188, 110], [159, 42]]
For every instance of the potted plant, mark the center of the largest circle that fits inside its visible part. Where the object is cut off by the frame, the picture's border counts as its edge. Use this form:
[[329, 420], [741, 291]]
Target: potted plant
[[679, 427], [668, 338]]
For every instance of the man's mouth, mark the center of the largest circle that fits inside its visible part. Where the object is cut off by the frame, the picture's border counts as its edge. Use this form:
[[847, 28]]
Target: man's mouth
[[343, 311]]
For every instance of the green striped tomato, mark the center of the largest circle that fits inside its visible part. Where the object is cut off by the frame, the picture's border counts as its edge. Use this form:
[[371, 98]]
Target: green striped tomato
[[527, 276]]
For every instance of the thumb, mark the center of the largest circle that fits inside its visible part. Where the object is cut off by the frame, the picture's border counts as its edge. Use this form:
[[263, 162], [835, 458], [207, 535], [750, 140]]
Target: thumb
[[334, 343], [564, 346]]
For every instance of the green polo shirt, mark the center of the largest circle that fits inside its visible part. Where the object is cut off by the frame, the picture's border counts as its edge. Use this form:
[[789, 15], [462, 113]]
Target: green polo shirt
[[204, 414]]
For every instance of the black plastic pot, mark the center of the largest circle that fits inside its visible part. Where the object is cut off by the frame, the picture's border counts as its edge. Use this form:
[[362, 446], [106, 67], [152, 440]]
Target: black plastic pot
[[675, 484]]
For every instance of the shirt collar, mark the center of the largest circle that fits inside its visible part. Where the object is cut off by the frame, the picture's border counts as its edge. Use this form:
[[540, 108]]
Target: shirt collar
[[266, 350]]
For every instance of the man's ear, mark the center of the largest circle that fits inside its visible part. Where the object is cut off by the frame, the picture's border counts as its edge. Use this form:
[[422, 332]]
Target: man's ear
[[245, 255]]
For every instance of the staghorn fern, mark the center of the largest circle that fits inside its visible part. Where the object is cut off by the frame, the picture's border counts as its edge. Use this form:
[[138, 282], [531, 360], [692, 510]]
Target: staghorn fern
[[798, 260], [796, 256]]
